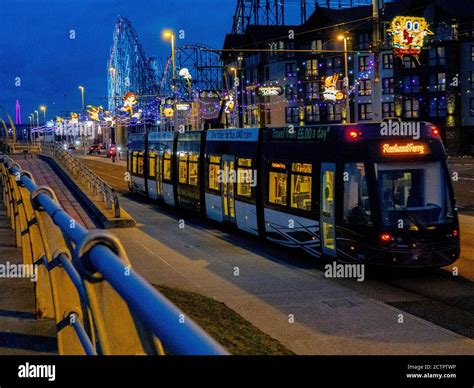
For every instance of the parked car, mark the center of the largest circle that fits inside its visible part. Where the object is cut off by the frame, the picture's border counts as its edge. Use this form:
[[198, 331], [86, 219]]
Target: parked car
[[95, 149], [71, 146]]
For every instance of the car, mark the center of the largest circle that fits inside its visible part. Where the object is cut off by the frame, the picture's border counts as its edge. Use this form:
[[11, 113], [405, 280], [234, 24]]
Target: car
[[112, 151], [71, 146], [95, 149]]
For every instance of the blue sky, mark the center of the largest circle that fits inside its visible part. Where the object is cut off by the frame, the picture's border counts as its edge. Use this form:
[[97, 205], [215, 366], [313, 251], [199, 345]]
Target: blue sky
[[35, 44]]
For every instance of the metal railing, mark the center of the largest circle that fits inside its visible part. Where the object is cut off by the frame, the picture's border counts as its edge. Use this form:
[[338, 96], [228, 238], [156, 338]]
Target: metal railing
[[84, 175], [86, 283]]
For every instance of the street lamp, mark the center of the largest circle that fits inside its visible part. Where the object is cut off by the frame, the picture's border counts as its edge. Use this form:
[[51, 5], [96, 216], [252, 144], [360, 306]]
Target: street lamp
[[37, 118], [81, 88], [168, 34], [345, 38], [43, 109]]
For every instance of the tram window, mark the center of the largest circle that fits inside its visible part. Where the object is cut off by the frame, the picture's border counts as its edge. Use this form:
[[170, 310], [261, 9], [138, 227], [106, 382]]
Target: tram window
[[183, 168], [152, 165], [193, 169], [244, 162], [167, 165], [415, 194], [244, 177], [356, 195], [134, 162], [328, 194], [301, 183], [214, 167], [140, 163], [277, 187]]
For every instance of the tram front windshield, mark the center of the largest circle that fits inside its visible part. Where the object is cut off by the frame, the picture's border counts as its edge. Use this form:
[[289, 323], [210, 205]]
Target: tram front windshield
[[413, 196]]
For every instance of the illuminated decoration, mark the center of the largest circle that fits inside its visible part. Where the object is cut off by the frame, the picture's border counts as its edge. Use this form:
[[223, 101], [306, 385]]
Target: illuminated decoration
[[168, 112], [331, 93], [74, 118], [93, 112], [182, 106], [408, 35], [404, 149], [59, 120], [129, 101], [18, 113], [185, 74], [267, 91], [229, 103]]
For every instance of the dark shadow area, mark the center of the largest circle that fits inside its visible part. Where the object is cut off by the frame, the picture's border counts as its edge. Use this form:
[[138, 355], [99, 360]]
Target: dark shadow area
[[17, 314], [35, 343]]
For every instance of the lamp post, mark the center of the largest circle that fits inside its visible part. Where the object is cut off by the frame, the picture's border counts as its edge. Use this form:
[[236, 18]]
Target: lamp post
[[81, 88], [37, 118], [345, 38], [43, 109], [240, 111], [168, 34]]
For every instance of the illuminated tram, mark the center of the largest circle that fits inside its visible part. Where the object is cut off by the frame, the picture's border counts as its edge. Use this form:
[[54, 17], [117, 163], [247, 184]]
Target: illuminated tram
[[371, 193]]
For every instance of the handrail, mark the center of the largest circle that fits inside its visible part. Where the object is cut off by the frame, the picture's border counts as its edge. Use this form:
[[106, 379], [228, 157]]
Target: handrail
[[98, 256], [81, 172]]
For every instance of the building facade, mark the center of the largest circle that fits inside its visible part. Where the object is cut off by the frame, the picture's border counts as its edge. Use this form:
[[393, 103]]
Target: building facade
[[308, 62]]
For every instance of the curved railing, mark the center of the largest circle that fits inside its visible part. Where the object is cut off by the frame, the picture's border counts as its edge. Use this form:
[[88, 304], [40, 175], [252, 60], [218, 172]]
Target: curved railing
[[84, 175], [86, 283]]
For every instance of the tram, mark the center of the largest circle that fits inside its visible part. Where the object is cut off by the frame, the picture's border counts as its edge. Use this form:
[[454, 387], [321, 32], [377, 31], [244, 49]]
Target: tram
[[370, 193]]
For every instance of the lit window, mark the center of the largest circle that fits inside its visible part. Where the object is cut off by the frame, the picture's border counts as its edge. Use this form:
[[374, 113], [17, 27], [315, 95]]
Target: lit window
[[140, 163], [277, 187], [167, 166], [193, 169], [134, 162], [214, 167], [244, 174], [152, 165], [183, 168], [312, 67], [301, 184]]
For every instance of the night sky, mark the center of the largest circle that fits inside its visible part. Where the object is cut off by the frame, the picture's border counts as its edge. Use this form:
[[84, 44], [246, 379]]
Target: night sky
[[35, 44]]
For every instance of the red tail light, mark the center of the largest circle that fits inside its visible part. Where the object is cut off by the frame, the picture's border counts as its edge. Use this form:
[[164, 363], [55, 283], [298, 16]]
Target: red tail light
[[354, 134], [455, 233], [435, 131], [386, 237]]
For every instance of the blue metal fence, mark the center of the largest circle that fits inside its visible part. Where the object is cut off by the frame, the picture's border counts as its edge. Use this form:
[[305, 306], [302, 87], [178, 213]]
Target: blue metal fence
[[91, 254]]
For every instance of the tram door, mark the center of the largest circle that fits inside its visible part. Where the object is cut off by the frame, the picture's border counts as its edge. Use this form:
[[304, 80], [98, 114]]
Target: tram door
[[159, 174], [327, 222], [228, 194]]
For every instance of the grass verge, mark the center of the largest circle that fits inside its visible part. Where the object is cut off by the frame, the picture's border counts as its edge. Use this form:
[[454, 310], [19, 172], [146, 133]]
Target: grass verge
[[227, 327]]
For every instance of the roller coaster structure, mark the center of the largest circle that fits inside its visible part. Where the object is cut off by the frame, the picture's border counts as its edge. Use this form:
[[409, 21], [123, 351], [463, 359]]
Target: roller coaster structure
[[129, 69]]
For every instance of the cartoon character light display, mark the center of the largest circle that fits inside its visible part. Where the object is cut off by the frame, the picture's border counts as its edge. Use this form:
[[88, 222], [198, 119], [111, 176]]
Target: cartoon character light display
[[408, 35], [331, 93], [129, 101]]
